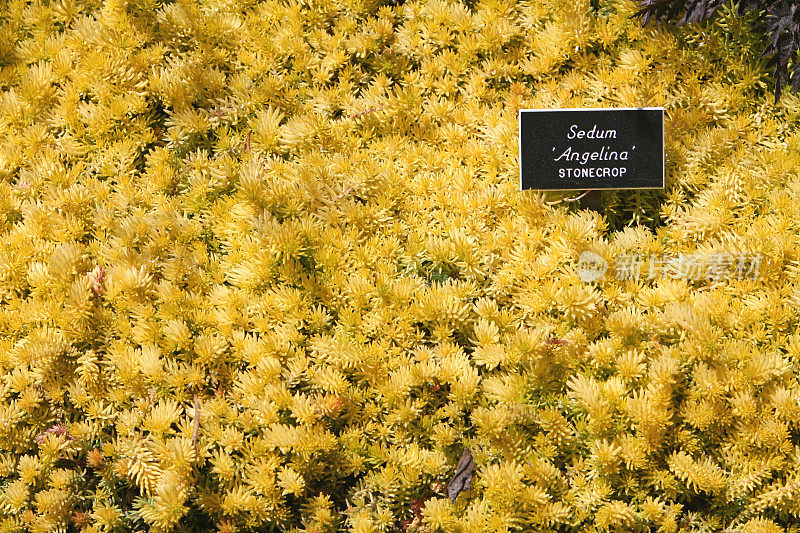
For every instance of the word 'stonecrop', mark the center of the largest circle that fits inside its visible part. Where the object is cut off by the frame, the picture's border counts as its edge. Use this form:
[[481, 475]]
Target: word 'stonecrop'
[[691, 267]]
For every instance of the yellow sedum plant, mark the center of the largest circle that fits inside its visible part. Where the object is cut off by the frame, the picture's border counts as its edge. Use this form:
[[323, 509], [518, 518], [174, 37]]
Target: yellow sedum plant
[[264, 266]]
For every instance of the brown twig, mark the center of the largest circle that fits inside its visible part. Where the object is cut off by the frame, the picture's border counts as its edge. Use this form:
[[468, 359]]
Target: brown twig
[[555, 340], [363, 113], [345, 193], [96, 277], [196, 429], [57, 429]]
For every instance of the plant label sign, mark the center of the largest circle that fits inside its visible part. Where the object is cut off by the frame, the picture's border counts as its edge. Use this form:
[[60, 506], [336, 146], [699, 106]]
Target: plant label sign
[[563, 149]]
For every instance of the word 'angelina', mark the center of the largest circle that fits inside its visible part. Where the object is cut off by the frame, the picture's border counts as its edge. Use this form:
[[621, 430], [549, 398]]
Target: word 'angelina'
[[605, 154]]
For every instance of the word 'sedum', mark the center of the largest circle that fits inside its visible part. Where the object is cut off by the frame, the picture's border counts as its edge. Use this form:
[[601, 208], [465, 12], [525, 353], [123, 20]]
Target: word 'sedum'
[[691, 267]]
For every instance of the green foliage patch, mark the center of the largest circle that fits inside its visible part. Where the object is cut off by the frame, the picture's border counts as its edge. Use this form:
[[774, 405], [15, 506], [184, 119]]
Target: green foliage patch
[[779, 20]]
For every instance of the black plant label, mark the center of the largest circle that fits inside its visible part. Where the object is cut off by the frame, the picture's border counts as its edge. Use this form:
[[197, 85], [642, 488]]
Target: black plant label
[[562, 149], [462, 481]]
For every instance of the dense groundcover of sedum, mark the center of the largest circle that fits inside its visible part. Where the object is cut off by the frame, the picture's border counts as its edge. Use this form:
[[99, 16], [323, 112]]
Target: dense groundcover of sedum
[[264, 266]]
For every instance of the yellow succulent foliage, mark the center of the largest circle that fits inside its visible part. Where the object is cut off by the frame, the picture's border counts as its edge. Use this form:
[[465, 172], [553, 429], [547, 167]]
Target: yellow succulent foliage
[[264, 265]]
